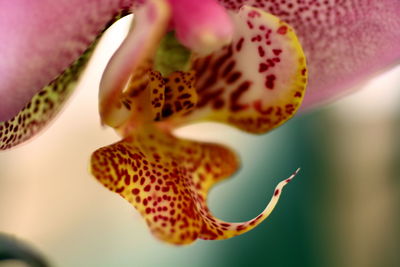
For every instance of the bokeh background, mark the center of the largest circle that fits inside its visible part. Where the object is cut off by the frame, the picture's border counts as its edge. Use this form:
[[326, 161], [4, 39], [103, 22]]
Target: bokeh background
[[342, 209]]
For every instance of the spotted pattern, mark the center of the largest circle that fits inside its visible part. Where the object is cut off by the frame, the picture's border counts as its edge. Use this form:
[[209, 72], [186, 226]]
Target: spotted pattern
[[131, 63], [180, 94], [46, 104], [137, 103], [157, 95], [150, 97], [167, 180], [345, 41], [258, 81], [43, 106]]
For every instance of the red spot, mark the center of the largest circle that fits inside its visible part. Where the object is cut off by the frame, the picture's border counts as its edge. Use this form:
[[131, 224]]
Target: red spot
[[206, 232], [135, 191], [127, 179], [207, 167], [234, 77], [201, 69], [165, 189], [261, 51], [235, 96], [276, 51], [254, 13], [303, 72], [241, 227], [119, 190], [258, 106], [282, 30], [239, 44], [269, 82], [250, 24], [228, 69], [278, 111], [211, 80], [297, 94], [218, 104], [290, 108], [262, 67], [271, 62], [256, 38], [221, 60], [276, 192]]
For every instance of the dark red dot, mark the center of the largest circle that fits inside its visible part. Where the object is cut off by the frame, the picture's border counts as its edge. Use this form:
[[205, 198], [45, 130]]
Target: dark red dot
[[282, 30], [276, 192], [269, 81], [147, 188], [135, 191]]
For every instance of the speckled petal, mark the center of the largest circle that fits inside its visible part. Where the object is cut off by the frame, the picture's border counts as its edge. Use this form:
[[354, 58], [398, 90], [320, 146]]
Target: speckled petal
[[258, 81], [167, 180], [132, 60], [46, 104], [345, 42], [142, 101], [43, 106], [40, 39]]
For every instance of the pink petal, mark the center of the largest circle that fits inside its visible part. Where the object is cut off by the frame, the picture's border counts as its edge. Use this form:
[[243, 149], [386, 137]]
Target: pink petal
[[203, 26], [345, 41], [40, 39]]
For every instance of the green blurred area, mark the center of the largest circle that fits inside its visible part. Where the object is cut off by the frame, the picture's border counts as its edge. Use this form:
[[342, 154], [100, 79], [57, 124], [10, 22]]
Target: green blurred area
[[295, 233], [308, 227]]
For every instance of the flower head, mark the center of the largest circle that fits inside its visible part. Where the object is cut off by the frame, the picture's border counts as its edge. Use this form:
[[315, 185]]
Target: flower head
[[183, 61], [255, 83]]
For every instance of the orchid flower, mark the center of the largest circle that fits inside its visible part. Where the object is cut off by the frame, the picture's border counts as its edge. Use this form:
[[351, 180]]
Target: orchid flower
[[183, 61]]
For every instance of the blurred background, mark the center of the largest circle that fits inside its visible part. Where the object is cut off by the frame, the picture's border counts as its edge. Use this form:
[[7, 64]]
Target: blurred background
[[341, 210]]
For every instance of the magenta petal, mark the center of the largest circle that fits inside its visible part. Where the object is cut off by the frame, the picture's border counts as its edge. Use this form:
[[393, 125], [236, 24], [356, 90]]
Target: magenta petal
[[203, 26], [41, 38], [345, 42]]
